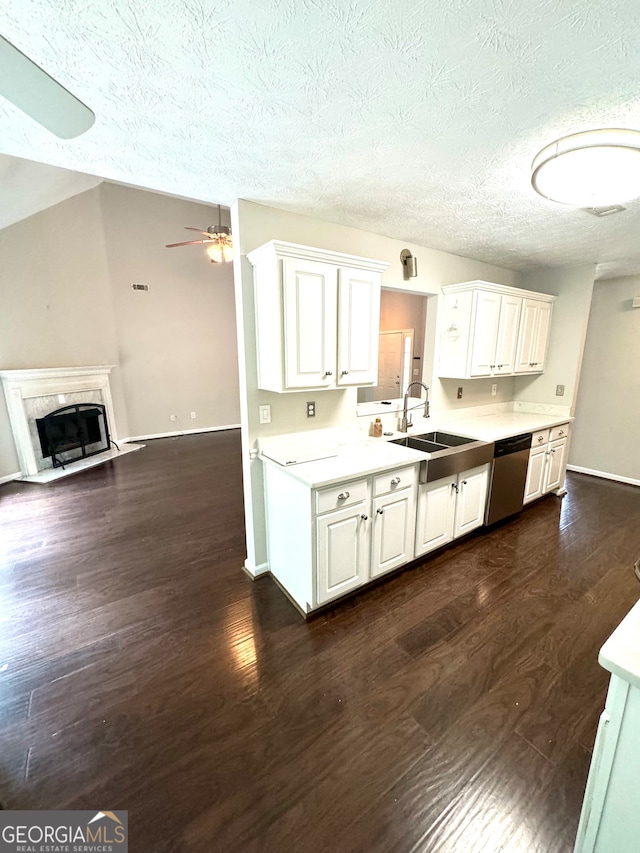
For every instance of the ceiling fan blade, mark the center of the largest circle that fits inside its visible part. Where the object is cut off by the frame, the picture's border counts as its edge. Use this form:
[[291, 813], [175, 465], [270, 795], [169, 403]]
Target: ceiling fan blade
[[199, 230], [188, 243], [41, 97]]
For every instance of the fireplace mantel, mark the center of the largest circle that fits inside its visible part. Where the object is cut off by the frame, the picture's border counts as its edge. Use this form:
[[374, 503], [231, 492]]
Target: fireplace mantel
[[20, 385]]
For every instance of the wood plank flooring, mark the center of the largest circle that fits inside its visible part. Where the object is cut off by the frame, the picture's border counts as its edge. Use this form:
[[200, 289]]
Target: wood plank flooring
[[452, 708]]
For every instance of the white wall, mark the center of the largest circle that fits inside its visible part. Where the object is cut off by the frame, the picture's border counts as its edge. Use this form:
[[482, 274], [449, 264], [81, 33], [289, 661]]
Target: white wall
[[574, 287], [606, 429], [66, 300], [55, 303], [255, 224], [177, 342]]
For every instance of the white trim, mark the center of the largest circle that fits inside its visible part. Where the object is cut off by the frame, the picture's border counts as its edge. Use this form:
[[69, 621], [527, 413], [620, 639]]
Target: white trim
[[31, 373], [10, 477], [603, 474], [279, 248], [153, 435], [255, 570], [497, 288]]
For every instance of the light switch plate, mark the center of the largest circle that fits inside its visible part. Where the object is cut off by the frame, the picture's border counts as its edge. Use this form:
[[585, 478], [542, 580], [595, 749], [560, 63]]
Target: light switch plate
[[559, 390], [265, 414]]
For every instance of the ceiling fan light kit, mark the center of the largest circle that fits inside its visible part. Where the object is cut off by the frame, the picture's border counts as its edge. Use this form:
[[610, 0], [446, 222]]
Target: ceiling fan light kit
[[218, 243], [591, 169]]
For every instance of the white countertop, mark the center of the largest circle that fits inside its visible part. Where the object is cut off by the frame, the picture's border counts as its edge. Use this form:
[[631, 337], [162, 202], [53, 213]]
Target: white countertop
[[323, 458], [620, 655]]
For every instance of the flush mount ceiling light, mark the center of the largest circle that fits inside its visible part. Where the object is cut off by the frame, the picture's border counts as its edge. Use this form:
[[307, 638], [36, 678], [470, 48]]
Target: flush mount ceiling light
[[589, 169]]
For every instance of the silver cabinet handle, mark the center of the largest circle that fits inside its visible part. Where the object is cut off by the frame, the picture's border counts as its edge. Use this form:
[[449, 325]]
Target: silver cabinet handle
[[395, 481], [492, 366], [328, 373], [344, 372], [455, 486], [364, 517], [561, 432], [343, 496], [540, 438], [380, 512]]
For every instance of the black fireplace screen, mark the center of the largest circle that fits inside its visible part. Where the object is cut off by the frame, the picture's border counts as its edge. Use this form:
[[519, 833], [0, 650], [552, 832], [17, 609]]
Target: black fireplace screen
[[73, 432]]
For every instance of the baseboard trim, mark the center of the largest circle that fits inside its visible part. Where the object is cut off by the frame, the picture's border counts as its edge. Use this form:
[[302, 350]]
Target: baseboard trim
[[178, 432], [603, 474], [10, 477], [254, 571]]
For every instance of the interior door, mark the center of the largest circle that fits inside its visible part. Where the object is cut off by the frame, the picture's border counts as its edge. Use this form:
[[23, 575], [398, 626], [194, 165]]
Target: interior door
[[390, 360]]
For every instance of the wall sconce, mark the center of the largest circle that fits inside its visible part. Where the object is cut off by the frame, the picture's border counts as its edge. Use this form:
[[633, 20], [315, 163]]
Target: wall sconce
[[410, 264]]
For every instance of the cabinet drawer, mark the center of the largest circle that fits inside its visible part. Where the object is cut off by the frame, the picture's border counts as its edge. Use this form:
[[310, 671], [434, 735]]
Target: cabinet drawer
[[392, 481], [539, 438], [558, 432], [338, 496]]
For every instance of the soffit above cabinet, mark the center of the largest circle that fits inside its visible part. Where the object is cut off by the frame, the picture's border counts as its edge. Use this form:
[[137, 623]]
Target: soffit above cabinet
[[504, 289], [280, 249]]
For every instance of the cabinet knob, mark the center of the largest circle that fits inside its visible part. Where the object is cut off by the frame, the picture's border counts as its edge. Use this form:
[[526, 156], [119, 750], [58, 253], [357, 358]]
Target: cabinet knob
[[540, 438], [500, 366], [553, 450], [344, 372], [561, 432], [364, 517], [455, 486], [492, 366], [464, 482], [328, 373], [380, 511], [395, 481], [343, 496]]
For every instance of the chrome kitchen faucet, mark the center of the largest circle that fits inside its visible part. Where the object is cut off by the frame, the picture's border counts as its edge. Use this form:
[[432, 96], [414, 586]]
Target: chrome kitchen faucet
[[405, 423]]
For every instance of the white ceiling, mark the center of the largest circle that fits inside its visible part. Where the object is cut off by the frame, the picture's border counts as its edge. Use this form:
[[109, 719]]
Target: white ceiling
[[417, 120]]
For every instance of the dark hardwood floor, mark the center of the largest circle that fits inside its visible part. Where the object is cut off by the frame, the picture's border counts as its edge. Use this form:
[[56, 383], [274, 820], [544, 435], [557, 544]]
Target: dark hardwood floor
[[451, 708]]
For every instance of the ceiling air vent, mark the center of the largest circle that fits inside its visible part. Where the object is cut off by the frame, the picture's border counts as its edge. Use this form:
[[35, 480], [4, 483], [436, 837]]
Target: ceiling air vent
[[604, 211]]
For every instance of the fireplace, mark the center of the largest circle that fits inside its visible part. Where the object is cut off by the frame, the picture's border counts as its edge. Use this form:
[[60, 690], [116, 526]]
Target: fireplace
[[73, 432], [82, 430]]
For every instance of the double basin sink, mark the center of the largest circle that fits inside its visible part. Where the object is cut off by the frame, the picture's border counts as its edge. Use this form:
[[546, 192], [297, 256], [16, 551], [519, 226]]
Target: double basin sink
[[448, 454]]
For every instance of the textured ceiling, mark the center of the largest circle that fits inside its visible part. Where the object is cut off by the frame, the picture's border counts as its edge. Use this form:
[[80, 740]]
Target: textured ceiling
[[419, 120]]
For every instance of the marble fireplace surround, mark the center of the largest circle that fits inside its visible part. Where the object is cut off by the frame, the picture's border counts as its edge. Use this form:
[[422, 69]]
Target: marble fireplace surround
[[25, 390]]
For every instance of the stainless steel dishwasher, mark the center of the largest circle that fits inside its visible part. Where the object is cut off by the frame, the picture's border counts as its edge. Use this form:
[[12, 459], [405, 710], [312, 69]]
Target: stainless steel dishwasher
[[508, 478]]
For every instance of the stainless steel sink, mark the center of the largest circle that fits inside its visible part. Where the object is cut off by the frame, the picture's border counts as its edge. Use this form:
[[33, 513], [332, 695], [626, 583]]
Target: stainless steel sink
[[448, 454]]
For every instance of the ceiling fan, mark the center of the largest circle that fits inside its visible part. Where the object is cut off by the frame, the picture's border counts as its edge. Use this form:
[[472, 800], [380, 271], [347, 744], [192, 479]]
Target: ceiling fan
[[219, 244], [41, 97]]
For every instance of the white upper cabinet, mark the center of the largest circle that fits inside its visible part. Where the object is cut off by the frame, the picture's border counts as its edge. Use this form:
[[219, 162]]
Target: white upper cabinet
[[317, 317], [533, 336], [486, 329]]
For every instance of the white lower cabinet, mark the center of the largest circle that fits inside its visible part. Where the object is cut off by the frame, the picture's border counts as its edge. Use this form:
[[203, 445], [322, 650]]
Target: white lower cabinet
[[450, 508], [547, 462], [392, 534], [323, 543], [342, 551]]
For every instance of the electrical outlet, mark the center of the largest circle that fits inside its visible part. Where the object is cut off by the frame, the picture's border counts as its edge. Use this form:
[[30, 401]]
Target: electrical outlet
[[311, 409], [193, 416], [173, 418], [494, 389], [265, 414], [460, 392], [559, 390]]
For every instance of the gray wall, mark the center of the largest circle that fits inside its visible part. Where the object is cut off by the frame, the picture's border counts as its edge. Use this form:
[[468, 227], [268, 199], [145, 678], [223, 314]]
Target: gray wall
[[66, 300], [605, 433]]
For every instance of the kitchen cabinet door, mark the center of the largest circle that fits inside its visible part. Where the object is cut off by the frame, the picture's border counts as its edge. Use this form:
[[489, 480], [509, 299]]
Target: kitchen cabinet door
[[554, 473], [535, 473], [342, 551], [485, 333], [509, 323], [435, 515], [310, 306], [533, 336], [358, 324], [393, 531], [471, 500]]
